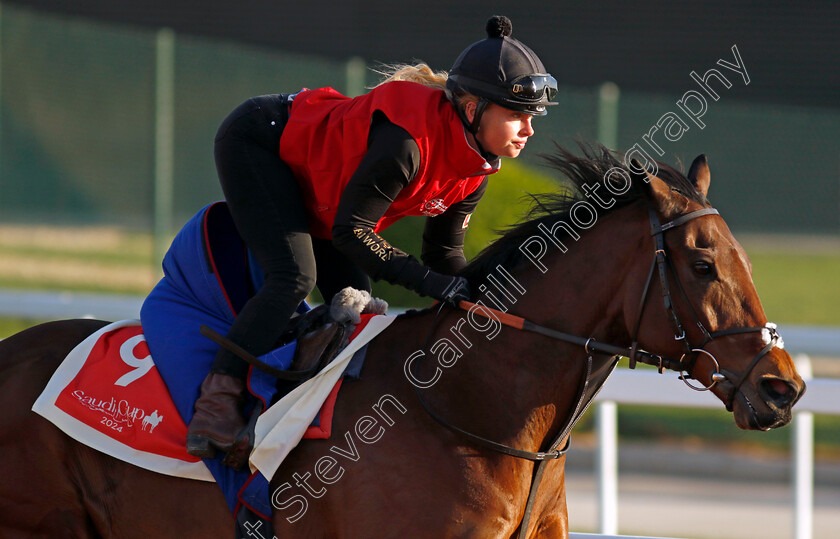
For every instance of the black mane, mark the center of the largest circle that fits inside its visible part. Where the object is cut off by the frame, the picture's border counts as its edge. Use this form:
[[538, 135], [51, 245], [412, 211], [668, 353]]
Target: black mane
[[588, 169]]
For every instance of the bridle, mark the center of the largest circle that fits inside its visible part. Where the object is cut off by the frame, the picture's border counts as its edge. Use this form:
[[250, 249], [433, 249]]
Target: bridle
[[685, 365], [661, 265]]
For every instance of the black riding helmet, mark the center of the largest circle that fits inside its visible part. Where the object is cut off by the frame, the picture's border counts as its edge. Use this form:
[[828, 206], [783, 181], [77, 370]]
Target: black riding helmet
[[501, 70]]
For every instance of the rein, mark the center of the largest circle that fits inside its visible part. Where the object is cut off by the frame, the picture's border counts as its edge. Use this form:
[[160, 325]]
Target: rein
[[661, 265]]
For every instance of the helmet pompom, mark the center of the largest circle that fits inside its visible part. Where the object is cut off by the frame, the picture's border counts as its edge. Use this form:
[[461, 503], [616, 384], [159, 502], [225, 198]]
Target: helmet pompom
[[499, 26]]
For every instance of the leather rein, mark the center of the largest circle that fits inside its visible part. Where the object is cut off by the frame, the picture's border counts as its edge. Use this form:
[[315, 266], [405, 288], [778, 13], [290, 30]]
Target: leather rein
[[660, 265]]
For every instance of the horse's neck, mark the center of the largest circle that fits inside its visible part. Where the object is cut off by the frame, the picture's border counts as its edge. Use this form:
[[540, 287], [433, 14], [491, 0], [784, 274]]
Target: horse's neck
[[522, 387], [584, 291]]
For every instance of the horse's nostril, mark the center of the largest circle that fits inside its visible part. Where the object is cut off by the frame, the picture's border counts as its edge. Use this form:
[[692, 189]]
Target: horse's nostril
[[778, 391], [778, 386]]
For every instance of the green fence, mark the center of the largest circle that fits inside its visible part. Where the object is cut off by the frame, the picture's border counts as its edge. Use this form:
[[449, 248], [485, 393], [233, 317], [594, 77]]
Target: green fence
[[79, 102]]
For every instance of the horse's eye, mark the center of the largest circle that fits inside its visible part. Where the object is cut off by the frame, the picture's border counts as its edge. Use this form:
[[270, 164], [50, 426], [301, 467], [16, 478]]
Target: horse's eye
[[702, 267]]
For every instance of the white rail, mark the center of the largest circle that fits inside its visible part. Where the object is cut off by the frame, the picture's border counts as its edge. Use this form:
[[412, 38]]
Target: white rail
[[650, 388], [42, 305]]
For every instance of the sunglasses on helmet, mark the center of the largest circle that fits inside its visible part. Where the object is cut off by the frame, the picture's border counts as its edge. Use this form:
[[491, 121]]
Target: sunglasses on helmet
[[534, 87]]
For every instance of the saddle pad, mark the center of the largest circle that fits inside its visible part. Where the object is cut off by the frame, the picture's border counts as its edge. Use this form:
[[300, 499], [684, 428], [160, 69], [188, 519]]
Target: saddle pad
[[107, 394]]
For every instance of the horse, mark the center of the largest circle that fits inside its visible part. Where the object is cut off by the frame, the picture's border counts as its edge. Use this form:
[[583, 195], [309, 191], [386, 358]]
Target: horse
[[459, 425], [152, 421]]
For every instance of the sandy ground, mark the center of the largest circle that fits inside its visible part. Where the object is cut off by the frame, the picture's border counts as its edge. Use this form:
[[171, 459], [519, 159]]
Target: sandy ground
[[712, 494]]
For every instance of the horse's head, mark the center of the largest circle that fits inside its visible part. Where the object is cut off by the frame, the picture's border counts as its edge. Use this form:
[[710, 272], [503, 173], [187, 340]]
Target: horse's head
[[716, 323], [661, 271]]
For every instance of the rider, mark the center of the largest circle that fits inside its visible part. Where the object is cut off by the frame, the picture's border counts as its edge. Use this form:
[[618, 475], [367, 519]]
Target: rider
[[420, 143]]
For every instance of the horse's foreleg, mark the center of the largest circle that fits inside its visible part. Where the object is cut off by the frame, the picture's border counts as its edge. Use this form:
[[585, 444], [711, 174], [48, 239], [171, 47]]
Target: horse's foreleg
[[553, 524], [550, 518]]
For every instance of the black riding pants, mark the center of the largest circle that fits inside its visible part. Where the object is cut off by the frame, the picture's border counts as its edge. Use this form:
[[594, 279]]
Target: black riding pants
[[267, 207]]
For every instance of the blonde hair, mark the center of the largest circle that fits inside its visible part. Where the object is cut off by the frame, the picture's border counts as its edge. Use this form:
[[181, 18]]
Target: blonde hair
[[420, 73], [423, 74]]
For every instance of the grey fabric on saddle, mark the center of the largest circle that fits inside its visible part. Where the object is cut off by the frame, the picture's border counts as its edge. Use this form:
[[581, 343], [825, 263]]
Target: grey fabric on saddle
[[349, 304]]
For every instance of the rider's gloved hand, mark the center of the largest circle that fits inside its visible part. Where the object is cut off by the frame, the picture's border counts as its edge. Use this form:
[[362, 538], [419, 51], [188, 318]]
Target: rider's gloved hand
[[447, 288]]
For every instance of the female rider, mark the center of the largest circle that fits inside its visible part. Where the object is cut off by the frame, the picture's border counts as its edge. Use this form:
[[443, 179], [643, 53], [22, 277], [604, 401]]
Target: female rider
[[420, 143]]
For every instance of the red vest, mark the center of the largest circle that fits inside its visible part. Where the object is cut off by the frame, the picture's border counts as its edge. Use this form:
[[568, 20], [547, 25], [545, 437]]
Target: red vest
[[326, 137]]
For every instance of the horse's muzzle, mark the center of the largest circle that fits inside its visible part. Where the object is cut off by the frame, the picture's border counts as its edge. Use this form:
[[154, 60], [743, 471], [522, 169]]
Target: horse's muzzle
[[767, 404]]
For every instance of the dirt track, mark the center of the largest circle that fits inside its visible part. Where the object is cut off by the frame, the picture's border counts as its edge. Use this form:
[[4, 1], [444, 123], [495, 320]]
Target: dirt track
[[718, 496]]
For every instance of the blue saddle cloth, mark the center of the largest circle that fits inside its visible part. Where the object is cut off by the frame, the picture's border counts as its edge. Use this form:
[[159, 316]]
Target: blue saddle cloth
[[208, 277]]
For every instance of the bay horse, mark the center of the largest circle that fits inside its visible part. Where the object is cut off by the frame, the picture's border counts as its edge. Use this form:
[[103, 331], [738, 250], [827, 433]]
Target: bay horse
[[458, 426]]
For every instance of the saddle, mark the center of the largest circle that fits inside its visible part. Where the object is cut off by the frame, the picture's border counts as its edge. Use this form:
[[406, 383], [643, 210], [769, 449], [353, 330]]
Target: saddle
[[324, 331], [319, 339], [320, 333]]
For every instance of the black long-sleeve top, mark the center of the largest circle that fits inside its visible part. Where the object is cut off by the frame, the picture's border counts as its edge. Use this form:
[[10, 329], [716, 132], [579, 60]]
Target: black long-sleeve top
[[391, 162]]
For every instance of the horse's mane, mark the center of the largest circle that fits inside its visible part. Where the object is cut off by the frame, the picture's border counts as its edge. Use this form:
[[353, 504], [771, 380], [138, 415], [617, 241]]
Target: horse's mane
[[587, 169]]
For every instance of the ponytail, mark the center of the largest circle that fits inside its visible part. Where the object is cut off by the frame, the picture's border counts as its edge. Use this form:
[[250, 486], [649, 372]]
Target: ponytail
[[420, 73]]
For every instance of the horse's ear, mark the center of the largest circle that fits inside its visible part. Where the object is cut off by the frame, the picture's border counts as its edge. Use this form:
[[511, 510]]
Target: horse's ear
[[657, 190], [699, 174], [660, 193]]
